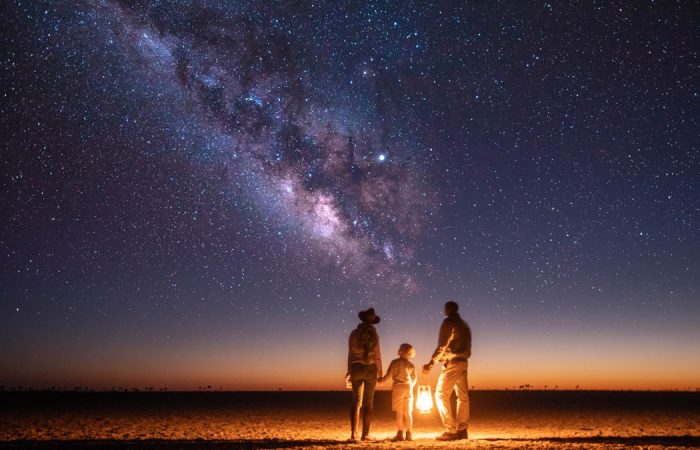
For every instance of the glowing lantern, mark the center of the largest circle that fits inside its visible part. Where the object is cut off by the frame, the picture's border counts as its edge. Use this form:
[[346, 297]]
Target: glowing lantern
[[424, 400]]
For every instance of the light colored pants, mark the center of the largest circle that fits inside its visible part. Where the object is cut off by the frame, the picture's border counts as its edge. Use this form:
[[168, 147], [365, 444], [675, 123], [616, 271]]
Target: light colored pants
[[453, 377]]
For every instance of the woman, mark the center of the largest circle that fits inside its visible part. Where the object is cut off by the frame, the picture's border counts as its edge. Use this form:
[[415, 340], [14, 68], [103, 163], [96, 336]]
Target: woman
[[364, 370]]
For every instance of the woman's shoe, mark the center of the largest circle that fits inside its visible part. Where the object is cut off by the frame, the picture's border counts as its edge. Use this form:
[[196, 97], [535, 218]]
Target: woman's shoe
[[368, 438], [409, 436]]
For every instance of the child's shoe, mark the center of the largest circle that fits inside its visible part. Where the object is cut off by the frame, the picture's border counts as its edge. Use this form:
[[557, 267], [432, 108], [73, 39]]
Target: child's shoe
[[398, 437], [409, 436]]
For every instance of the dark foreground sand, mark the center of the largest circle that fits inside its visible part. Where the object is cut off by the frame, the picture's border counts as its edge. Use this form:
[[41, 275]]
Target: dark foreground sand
[[500, 419]]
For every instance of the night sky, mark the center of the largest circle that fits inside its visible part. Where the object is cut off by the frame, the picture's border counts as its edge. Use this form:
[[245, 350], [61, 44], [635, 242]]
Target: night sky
[[206, 193]]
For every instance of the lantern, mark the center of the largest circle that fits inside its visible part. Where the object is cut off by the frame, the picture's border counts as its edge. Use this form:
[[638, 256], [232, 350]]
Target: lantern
[[424, 400]]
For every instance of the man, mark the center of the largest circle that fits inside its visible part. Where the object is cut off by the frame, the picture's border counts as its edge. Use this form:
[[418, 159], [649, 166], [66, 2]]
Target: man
[[453, 350], [364, 370]]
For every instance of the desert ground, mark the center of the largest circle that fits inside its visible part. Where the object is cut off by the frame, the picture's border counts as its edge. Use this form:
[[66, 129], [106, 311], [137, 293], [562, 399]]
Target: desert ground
[[235, 420]]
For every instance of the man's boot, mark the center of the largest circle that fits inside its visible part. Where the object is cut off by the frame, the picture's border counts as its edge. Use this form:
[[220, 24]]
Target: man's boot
[[462, 433], [399, 436], [448, 436]]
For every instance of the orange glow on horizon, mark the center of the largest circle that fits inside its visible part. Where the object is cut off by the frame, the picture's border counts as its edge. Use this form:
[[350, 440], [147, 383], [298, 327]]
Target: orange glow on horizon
[[549, 375], [608, 360]]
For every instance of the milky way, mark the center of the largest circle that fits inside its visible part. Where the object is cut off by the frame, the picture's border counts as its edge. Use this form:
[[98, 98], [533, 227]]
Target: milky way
[[344, 187], [229, 176]]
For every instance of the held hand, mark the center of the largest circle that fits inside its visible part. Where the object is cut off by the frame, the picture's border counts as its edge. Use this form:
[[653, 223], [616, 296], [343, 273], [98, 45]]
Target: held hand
[[426, 368]]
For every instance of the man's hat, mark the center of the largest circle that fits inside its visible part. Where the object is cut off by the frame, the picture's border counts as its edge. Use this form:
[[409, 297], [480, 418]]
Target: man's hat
[[369, 316]]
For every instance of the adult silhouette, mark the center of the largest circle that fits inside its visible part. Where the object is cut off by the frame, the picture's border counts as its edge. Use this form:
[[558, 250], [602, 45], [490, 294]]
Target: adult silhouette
[[453, 350], [364, 370]]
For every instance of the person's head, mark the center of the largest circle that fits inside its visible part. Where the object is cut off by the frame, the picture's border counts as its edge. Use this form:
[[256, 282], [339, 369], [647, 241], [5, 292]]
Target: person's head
[[407, 351], [369, 316], [451, 308]]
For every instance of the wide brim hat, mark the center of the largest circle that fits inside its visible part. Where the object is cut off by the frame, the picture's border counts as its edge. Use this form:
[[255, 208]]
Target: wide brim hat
[[369, 316]]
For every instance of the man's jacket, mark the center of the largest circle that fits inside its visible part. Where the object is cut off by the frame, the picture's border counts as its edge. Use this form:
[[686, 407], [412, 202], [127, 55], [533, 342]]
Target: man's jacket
[[455, 340]]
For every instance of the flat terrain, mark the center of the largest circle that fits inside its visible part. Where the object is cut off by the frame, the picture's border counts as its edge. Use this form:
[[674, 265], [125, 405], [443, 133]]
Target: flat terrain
[[221, 420]]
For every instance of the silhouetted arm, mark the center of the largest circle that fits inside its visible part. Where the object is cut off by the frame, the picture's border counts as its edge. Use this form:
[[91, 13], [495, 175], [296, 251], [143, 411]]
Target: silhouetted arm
[[349, 353], [444, 339], [389, 371], [378, 359]]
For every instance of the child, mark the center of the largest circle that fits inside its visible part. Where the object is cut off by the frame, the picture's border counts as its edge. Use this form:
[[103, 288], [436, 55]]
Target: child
[[403, 374]]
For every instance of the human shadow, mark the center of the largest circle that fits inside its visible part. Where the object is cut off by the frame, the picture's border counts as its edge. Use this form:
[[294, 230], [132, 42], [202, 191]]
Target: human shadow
[[688, 441], [168, 444], [678, 441]]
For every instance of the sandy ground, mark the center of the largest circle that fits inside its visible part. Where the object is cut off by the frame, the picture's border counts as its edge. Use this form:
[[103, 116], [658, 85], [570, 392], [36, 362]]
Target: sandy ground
[[320, 420]]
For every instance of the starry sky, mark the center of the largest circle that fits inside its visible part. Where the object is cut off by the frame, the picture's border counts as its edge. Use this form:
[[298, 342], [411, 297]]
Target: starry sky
[[206, 193]]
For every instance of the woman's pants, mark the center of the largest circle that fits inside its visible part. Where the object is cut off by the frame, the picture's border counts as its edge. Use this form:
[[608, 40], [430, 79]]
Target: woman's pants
[[364, 380]]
